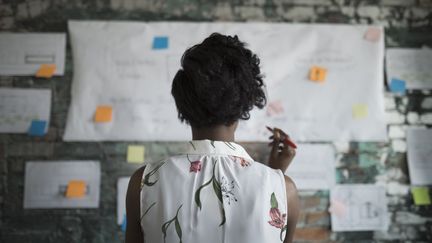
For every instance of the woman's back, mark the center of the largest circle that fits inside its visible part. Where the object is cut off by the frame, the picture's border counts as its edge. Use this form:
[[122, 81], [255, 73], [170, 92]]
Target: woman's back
[[214, 192]]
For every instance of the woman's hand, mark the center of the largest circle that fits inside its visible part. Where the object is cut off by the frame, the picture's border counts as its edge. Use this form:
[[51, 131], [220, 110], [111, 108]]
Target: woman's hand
[[283, 150]]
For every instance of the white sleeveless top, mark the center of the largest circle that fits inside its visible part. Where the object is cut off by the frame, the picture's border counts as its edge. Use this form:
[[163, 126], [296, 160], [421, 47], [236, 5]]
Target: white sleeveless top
[[214, 192]]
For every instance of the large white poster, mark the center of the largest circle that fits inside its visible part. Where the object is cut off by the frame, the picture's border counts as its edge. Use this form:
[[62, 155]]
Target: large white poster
[[20, 108], [123, 73]]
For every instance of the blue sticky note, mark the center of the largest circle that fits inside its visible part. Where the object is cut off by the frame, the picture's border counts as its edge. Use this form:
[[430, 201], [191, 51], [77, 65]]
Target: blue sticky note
[[37, 128], [123, 225], [397, 86], [160, 42]]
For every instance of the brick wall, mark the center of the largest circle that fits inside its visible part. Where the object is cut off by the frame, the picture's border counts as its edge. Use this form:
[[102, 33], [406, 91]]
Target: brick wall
[[408, 23]]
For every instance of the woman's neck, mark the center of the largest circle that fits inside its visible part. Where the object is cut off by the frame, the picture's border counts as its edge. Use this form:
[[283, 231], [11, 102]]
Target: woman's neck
[[215, 133]]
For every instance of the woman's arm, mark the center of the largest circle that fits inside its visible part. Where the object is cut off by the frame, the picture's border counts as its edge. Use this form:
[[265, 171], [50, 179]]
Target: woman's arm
[[281, 156], [293, 206], [133, 225]]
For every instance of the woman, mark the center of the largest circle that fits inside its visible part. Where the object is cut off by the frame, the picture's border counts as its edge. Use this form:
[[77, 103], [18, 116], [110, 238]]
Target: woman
[[214, 191]]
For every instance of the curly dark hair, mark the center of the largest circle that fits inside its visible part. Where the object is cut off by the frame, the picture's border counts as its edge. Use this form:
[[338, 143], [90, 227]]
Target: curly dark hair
[[219, 83]]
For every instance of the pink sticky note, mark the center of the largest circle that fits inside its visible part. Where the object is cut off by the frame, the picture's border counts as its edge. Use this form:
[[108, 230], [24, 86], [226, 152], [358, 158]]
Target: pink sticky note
[[373, 34], [274, 108], [338, 208]]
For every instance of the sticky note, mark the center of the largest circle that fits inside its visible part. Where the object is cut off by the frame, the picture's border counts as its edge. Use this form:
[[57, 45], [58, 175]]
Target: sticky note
[[359, 111], [160, 42], [123, 225], [317, 74], [37, 128], [338, 208], [421, 195], [372, 34], [135, 154], [103, 114], [274, 108], [46, 71], [76, 189], [397, 86]]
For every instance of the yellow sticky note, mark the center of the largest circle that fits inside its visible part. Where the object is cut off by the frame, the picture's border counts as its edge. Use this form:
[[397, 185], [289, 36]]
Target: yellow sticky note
[[359, 111], [46, 71], [135, 154], [317, 74], [76, 189], [421, 195], [103, 114]]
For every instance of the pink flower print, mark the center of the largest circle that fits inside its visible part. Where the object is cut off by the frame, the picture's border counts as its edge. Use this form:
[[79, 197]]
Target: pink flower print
[[243, 162], [195, 166], [277, 220]]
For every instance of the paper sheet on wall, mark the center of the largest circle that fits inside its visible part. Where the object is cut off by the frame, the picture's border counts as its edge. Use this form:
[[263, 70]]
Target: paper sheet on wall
[[115, 64], [358, 208], [46, 184], [313, 167], [24, 53], [413, 66], [420, 156], [122, 185], [19, 107]]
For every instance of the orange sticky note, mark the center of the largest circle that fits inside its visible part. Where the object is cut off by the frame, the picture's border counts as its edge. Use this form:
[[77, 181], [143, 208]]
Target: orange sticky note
[[372, 34], [317, 74], [46, 71], [103, 114], [76, 189]]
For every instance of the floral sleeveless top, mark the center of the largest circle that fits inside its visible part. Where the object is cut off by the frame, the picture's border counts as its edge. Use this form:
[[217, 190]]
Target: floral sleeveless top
[[214, 192]]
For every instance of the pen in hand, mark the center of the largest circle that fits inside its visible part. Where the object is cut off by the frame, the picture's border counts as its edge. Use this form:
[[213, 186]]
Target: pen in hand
[[285, 138]]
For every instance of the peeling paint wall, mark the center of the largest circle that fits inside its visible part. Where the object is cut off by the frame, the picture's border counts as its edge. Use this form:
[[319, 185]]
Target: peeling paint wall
[[408, 23]]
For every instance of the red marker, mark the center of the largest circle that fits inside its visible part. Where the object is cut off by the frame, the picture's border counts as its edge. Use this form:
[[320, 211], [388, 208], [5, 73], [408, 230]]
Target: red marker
[[286, 140]]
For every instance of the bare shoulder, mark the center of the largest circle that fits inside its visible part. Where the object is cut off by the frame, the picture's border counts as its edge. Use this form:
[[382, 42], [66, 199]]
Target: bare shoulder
[[293, 205], [290, 185], [134, 185], [137, 175], [133, 227]]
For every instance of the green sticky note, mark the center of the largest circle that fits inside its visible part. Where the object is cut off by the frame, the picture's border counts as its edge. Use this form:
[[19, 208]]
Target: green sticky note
[[421, 195], [135, 154]]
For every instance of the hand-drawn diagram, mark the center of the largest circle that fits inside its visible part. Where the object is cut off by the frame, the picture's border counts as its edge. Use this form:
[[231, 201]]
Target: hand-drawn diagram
[[420, 156], [19, 107], [24, 53], [413, 66], [365, 208], [46, 183], [313, 167]]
